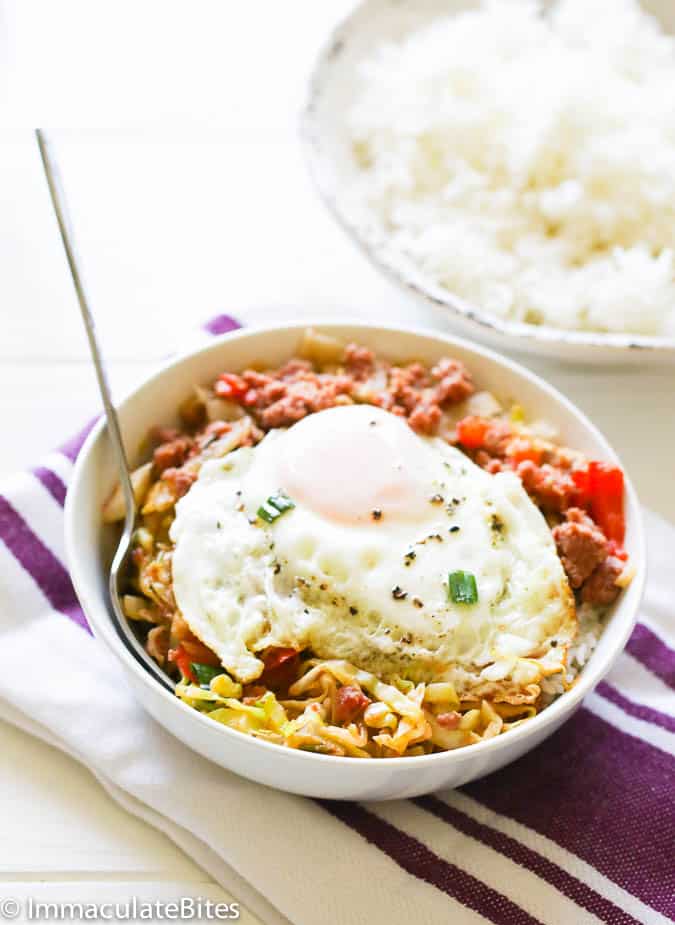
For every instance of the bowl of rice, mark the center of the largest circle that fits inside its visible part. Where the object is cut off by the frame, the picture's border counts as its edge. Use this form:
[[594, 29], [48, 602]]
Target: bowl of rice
[[512, 163]]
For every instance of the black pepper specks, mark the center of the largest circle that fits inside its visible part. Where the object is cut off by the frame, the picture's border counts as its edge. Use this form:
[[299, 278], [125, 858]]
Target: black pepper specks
[[376, 514], [454, 529], [452, 505], [409, 557], [398, 593], [417, 602], [436, 499], [498, 528], [353, 611]]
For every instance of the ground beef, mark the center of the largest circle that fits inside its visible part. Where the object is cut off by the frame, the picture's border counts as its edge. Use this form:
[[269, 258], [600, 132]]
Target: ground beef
[[296, 369], [489, 463], [279, 398], [285, 411], [601, 588], [179, 481], [272, 392], [552, 489], [420, 396], [582, 546], [282, 397], [172, 453], [305, 396], [498, 439], [406, 385], [256, 380], [425, 419], [454, 382], [359, 362]]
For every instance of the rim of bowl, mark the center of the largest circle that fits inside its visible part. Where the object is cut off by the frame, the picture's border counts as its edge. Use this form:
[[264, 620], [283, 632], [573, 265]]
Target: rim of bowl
[[400, 269], [101, 620]]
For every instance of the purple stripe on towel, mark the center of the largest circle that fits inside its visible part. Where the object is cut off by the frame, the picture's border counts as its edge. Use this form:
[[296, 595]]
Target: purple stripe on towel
[[638, 710], [563, 881], [52, 483], [605, 796], [221, 324], [415, 858], [40, 563], [646, 647], [73, 446]]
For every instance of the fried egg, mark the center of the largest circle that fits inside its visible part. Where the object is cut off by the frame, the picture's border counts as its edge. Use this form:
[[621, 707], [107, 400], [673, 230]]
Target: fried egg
[[359, 567]]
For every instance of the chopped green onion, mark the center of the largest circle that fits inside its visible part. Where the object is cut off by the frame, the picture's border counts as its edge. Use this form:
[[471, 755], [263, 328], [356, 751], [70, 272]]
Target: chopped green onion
[[268, 513], [281, 503], [462, 588], [274, 507], [205, 673]]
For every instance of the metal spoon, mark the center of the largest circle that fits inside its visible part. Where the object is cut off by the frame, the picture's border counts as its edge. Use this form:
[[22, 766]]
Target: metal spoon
[[118, 567]]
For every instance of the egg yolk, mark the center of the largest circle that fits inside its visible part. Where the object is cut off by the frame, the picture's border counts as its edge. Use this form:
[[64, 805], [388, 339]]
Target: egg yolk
[[356, 464]]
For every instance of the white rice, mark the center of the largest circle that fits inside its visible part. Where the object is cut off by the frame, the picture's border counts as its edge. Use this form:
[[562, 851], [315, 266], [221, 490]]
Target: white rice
[[590, 627], [527, 163]]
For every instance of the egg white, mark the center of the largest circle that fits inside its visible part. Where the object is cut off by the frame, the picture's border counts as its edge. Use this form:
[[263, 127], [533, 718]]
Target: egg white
[[348, 584]]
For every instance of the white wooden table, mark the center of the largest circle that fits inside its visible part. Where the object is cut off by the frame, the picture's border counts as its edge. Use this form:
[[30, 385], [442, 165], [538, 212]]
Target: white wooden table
[[190, 197]]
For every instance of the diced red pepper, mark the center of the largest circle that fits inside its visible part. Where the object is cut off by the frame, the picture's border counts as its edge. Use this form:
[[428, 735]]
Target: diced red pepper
[[582, 481], [280, 667], [471, 431], [606, 499], [228, 385], [349, 702], [180, 658]]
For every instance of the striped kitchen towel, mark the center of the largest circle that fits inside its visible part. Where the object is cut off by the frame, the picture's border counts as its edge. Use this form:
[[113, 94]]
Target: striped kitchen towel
[[579, 830]]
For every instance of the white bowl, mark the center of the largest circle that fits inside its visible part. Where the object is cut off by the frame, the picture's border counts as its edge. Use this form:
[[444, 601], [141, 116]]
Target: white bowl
[[331, 91], [89, 543]]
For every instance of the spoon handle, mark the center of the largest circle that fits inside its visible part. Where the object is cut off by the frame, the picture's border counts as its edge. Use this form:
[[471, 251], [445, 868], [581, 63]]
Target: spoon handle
[[65, 228]]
